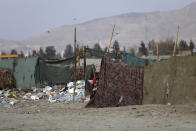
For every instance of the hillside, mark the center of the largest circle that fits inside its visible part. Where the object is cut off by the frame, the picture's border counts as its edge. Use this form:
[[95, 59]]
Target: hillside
[[131, 29]]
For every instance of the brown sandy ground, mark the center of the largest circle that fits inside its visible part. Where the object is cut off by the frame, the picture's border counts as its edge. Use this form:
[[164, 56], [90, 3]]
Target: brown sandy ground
[[43, 116]]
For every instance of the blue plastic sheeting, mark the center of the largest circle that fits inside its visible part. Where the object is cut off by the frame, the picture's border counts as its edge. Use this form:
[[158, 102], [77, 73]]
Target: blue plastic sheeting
[[24, 70]]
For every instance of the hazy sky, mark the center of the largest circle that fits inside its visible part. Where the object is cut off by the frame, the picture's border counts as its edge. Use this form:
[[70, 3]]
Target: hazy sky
[[20, 19]]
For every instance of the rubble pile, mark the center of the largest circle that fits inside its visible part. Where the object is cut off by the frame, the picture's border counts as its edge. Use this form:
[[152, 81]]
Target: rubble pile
[[9, 98], [7, 80]]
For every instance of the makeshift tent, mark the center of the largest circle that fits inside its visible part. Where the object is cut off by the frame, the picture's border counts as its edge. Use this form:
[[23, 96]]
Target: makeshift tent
[[119, 85], [29, 72], [24, 70], [7, 80], [55, 71]]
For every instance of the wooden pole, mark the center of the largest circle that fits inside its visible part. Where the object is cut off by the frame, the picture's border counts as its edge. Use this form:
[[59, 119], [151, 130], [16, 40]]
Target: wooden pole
[[177, 31], [108, 49], [75, 70], [85, 75], [157, 45]]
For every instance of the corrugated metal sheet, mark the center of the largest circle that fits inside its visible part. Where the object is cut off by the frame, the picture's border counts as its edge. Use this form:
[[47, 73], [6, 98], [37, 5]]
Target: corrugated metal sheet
[[24, 70]]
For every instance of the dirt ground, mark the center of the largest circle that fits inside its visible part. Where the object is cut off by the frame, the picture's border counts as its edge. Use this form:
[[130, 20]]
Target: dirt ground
[[43, 116]]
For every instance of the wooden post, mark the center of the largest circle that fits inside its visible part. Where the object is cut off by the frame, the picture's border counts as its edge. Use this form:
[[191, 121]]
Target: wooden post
[[109, 44], [157, 45], [75, 70], [85, 77], [177, 31]]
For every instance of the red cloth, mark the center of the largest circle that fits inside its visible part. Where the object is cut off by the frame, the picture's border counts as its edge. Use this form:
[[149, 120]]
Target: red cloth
[[94, 82]]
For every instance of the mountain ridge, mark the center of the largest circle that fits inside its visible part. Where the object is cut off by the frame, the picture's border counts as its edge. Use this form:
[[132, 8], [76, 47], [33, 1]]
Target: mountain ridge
[[131, 29]]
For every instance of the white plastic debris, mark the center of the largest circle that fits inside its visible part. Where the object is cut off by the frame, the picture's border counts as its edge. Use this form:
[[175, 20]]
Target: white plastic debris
[[34, 97], [47, 89], [1, 92], [34, 89], [80, 84], [52, 98], [70, 84], [13, 101], [40, 95], [27, 96], [90, 81], [7, 93], [71, 90]]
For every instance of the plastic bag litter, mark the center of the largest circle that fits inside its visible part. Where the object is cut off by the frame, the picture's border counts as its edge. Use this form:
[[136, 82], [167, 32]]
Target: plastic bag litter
[[5, 104], [47, 89], [70, 84], [34, 97], [40, 95], [1, 92], [80, 82], [34, 89], [7, 93], [13, 101], [90, 81], [71, 90], [27, 96]]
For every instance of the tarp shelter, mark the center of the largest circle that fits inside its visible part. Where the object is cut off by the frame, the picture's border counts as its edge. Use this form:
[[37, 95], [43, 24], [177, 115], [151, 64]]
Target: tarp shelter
[[136, 61], [55, 71], [119, 85], [7, 80], [24, 70], [30, 72]]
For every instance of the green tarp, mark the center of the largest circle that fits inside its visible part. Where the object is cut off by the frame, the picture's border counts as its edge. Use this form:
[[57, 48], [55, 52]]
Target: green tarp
[[30, 72], [55, 71], [24, 70], [135, 61]]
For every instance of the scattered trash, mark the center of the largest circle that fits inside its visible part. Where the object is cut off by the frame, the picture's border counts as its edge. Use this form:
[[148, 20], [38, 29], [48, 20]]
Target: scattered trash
[[70, 84], [13, 101], [34, 97], [47, 89], [7, 93], [27, 96], [10, 98], [5, 104], [1, 92], [13, 95]]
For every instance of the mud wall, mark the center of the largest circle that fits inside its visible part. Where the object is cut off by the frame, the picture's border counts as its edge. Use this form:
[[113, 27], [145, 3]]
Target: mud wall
[[171, 81]]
